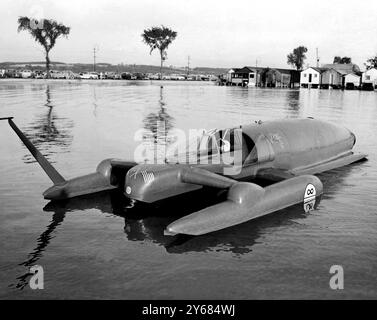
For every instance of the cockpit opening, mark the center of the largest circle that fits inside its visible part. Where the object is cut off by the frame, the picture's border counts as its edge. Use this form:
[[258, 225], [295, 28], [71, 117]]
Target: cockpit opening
[[213, 143]]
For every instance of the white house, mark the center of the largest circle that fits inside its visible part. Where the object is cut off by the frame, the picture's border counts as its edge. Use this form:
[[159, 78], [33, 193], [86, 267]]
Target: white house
[[230, 74], [351, 80], [370, 76], [311, 77]]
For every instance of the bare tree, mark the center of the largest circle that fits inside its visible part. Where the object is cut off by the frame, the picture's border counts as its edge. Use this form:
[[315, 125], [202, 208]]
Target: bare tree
[[46, 32], [159, 38]]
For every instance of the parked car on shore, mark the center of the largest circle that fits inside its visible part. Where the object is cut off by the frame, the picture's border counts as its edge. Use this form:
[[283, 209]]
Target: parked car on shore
[[177, 77], [71, 75], [204, 77], [126, 76], [38, 74], [25, 74], [89, 75], [55, 74], [140, 76], [10, 73], [154, 77], [112, 75]]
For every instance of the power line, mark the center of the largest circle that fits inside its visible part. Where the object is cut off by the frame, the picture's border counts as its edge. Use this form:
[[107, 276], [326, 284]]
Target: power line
[[94, 59]]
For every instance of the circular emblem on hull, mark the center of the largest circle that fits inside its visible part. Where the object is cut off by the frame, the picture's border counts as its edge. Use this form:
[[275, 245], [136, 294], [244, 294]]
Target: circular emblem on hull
[[309, 197], [128, 190]]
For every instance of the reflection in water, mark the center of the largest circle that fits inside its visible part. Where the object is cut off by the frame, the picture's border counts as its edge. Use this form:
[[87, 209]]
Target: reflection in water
[[157, 126], [94, 101], [293, 99], [42, 242], [144, 222], [49, 131]]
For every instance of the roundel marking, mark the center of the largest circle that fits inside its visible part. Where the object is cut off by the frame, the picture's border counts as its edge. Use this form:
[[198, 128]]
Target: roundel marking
[[309, 197]]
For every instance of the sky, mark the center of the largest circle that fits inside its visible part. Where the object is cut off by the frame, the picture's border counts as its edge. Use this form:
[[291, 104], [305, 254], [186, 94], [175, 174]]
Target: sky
[[214, 33]]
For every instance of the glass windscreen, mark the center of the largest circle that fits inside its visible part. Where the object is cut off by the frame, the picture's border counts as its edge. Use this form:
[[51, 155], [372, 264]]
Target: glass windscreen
[[207, 144]]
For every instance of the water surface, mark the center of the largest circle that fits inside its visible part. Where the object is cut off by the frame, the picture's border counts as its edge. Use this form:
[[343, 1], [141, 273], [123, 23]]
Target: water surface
[[98, 247]]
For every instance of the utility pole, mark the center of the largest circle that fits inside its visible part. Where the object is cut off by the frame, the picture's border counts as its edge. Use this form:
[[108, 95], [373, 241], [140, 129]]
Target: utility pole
[[188, 66], [94, 59], [316, 50]]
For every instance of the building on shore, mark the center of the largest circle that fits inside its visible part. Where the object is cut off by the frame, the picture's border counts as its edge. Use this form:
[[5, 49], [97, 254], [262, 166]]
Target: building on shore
[[345, 68], [254, 76], [311, 77], [351, 81], [332, 79], [369, 79], [332, 76], [280, 78], [246, 76], [329, 76], [230, 74], [263, 77]]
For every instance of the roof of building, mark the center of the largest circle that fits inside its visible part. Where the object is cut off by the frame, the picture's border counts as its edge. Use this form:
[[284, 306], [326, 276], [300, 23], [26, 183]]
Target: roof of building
[[345, 67], [320, 70], [341, 72], [371, 70], [288, 71], [352, 74], [255, 68]]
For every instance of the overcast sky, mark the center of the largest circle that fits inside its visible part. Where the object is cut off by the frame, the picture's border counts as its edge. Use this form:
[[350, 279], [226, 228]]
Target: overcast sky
[[216, 33]]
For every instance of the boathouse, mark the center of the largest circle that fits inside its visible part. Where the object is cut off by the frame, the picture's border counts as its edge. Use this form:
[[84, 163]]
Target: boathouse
[[369, 79], [332, 78], [351, 81], [311, 77]]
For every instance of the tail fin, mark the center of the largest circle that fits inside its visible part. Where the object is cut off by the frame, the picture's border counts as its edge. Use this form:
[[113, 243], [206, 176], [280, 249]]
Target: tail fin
[[54, 175]]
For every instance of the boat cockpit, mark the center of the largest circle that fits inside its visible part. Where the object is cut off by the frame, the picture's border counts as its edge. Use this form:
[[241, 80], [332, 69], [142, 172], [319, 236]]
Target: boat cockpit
[[214, 143]]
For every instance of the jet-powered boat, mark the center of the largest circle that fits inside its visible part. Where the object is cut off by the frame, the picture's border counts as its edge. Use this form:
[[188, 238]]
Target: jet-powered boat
[[287, 152]]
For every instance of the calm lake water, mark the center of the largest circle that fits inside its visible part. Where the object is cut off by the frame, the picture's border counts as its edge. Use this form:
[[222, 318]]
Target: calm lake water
[[97, 247]]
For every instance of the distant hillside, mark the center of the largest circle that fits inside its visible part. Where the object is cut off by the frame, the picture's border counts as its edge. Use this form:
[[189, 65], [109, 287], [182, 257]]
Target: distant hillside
[[28, 63], [107, 67], [207, 70]]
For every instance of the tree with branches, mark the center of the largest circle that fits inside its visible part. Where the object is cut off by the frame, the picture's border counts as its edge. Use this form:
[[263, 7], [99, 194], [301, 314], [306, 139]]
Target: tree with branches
[[340, 60], [297, 57], [371, 63], [159, 38], [45, 32]]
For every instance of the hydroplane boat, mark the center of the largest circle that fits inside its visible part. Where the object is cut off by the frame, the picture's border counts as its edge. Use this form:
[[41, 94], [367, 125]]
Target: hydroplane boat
[[286, 152]]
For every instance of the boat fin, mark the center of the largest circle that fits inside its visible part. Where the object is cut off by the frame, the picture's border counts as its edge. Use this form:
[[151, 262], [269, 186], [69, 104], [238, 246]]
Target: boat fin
[[205, 178], [53, 174], [275, 175]]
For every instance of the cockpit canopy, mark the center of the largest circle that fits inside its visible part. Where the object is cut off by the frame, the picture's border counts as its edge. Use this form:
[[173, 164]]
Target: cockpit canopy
[[213, 143]]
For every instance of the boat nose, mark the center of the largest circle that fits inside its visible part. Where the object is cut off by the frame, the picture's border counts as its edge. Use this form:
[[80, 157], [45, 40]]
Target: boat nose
[[55, 192], [137, 181]]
